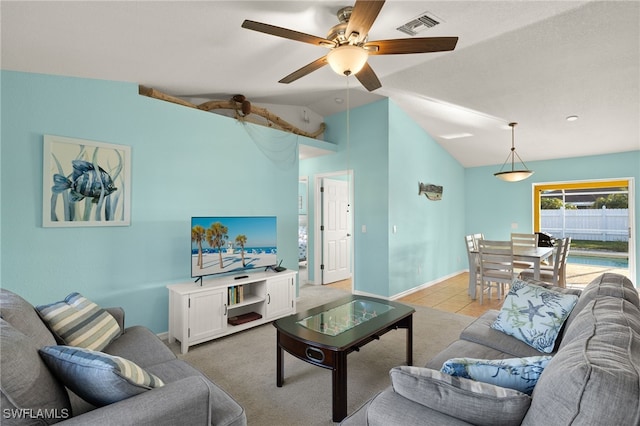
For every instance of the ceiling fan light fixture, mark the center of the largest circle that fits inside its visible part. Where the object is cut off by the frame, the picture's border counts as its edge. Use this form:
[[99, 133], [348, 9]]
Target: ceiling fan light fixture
[[347, 59], [513, 175]]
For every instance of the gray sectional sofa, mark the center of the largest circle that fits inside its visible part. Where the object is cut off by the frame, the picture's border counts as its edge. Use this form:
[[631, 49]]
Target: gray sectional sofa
[[593, 377], [32, 395]]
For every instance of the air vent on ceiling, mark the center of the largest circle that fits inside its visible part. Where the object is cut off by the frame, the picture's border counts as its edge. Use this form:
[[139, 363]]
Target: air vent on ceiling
[[420, 23]]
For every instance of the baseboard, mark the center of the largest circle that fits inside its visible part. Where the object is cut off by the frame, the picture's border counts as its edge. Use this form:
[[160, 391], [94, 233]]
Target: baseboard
[[364, 293], [163, 336], [425, 285]]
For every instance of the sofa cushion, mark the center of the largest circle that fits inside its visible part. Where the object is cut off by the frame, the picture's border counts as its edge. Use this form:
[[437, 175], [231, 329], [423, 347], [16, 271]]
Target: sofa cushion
[[520, 374], [140, 345], [99, 378], [24, 318], [464, 348], [534, 314], [77, 321], [594, 378], [468, 400], [27, 385], [481, 332], [607, 284], [611, 310]]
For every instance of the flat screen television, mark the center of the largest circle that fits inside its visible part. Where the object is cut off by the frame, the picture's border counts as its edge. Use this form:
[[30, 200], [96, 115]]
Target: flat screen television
[[232, 244]]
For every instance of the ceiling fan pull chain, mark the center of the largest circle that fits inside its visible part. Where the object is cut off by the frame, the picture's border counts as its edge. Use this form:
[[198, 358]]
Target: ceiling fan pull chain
[[348, 148]]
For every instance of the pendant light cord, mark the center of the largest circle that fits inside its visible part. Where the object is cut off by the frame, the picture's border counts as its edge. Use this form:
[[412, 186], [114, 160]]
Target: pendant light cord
[[348, 149], [513, 154]]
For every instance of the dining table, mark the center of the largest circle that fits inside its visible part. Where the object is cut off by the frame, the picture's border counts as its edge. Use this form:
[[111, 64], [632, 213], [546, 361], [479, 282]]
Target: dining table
[[535, 255]]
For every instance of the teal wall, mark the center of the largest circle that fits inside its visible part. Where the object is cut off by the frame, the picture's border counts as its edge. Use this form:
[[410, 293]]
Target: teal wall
[[187, 162], [428, 242], [493, 205], [368, 158], [184, 162], [390, 154]]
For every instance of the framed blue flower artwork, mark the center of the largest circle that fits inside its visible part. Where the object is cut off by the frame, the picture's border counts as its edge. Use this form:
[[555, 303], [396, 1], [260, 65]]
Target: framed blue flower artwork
[[85, 183]]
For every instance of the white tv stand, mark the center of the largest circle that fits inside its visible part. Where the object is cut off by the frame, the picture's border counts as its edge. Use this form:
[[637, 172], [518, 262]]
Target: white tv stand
[[199, 313]]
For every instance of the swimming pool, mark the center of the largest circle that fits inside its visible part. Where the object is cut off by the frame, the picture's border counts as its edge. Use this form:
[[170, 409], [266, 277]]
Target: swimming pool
[[615, 262]]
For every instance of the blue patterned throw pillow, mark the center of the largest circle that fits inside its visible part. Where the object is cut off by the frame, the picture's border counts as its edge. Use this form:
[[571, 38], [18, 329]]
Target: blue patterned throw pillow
[[534, 314], [96, 377], [520, 374]]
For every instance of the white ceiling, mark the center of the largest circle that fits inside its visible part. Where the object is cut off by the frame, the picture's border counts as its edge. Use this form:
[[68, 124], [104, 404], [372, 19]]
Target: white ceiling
[[534, 62]]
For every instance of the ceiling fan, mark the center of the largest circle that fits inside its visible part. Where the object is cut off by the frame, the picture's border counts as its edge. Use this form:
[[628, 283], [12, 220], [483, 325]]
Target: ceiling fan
[[349, 45]]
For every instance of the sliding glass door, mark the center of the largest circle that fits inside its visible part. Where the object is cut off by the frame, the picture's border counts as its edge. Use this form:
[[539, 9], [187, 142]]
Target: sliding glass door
[[598, 216]]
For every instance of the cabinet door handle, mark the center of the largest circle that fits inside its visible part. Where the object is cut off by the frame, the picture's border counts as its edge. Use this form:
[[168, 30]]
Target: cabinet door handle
[[268, 299], [225, 309]]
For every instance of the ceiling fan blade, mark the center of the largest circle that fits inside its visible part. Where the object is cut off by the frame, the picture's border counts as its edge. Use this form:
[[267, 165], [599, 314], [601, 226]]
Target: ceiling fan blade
[[362, 17], [368, 78], [288, 34], [307, 69], [411, 45]]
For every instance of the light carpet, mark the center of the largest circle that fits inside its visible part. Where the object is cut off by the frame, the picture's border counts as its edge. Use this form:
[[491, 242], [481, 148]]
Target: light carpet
[[244, 364]]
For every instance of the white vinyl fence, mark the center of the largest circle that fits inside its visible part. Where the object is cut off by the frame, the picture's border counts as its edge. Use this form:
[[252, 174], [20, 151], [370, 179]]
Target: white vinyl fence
[[587, 224]]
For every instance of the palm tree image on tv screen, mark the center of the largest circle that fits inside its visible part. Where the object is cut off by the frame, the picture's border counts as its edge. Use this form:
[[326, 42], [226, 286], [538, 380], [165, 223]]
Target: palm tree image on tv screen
[[232, 244]]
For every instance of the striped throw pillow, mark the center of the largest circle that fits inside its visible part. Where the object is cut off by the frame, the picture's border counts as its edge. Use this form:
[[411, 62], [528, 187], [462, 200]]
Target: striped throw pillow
[[96, 377], [77, 321]]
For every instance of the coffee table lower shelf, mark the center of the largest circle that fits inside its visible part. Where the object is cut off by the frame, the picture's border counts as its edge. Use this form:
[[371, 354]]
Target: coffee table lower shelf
[[319, 351]]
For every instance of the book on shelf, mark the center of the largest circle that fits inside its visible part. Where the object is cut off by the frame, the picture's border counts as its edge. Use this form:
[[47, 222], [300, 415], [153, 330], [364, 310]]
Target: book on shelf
[[235, 294]]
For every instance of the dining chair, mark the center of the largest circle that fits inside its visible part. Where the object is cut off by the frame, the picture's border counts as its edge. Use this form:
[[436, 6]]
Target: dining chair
[[523, 240], [563, 262], [560, 258], [555, 273], [496, 266], [474, 265], [476, 238]]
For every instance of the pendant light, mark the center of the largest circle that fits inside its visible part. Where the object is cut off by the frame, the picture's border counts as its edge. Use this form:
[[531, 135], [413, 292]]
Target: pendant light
[[513, 175]]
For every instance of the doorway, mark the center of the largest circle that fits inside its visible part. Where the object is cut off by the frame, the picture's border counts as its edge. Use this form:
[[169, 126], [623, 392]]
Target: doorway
[[599, 217], [303, 226], [333, 225]]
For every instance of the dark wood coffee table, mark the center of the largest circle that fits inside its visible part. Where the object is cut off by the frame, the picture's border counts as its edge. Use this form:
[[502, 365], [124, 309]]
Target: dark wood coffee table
[[325, 335]]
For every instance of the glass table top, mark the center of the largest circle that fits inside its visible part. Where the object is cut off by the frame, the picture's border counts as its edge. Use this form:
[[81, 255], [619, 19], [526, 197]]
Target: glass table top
[[344, 317]]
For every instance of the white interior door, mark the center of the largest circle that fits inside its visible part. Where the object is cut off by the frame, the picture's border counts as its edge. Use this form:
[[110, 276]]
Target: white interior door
[[336, 231]]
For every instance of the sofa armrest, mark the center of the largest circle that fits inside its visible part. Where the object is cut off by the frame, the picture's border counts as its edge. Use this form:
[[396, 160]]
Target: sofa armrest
[[474, 402], [389, 408], [186, 401], [118, 314]]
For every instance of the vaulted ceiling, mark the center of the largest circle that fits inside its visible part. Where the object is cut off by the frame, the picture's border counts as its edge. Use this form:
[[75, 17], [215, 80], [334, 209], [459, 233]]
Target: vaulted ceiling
[[533, 62]]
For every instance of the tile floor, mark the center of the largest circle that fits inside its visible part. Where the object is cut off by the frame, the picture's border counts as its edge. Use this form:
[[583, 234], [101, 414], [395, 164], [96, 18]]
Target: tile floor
[[451, 295]]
